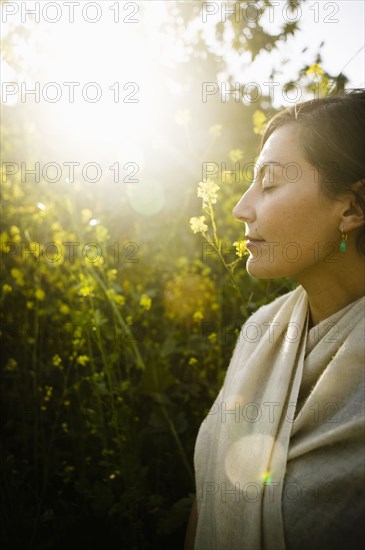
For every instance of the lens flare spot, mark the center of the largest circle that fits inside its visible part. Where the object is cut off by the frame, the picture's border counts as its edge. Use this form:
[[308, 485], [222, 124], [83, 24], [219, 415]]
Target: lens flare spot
[[147, 197]]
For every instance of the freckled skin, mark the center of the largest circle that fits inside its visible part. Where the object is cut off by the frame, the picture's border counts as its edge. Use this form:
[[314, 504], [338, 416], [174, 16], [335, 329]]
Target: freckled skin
[[299, 224]]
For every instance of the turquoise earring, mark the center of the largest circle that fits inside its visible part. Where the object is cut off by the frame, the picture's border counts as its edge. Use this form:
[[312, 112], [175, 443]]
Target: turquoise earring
[[343, 243]]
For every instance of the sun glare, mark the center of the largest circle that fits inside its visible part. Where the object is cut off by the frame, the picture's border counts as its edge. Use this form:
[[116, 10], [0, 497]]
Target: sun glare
[[92, 85]]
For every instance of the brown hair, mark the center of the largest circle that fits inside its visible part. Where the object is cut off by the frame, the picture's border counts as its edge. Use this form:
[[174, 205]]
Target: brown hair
[[333, 139]]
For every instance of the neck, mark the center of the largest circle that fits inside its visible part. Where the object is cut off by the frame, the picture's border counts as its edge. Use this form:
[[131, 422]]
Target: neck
[[331, 287]]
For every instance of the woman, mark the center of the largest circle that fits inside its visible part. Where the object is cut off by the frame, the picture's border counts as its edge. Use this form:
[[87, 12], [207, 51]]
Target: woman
[[279, 459]]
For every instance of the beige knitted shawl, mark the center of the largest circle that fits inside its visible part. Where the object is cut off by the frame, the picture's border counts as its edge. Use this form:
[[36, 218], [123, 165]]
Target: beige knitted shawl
[[279, 459]]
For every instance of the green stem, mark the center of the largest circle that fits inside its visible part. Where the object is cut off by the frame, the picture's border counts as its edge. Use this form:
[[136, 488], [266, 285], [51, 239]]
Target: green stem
[[227, 266], [177, 441], [139, 361], [211, 214]]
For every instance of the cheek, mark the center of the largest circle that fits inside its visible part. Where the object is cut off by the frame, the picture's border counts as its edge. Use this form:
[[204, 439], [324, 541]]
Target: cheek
[[281, 216], [290, 214]]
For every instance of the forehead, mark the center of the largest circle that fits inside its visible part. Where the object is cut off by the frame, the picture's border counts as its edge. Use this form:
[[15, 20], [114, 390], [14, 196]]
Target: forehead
[[283, 146]]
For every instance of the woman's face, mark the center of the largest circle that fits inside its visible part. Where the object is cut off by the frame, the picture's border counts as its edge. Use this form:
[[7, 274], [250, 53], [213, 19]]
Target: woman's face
[[297, 227]]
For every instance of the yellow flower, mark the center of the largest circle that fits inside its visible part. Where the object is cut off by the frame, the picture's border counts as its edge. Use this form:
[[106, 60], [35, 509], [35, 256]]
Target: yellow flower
[[198, 316], [48, 395], [64, 427], [126, 285], [117, 298], [98, 261], [145, 302], [56, 360], [315, 69], [35, 248], [93, 255], [192, 361], [4, 238], [241, 249], [197, 224], [17, 276], [259, 120], [40, 294], [56, 226], [15, 233], [212, 338], [236, 155], [86, 291], [7, 288], [11, 365], [87, 286], [30, 304], [14, 230], [207, 190], [111, 274], [64, 309], [82, 360]]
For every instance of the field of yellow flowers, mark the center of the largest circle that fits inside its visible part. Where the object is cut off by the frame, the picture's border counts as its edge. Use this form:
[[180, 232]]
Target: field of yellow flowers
[[113, 354], [117, 329]]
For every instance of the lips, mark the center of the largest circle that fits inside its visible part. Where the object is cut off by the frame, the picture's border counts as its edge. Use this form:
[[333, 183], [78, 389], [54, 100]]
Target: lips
[[253, 241]]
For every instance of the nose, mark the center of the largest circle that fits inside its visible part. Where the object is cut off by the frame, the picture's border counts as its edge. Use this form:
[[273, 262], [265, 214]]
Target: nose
[[244, 211]]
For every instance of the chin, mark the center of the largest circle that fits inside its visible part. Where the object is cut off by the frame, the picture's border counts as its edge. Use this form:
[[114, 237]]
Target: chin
[[261, 271]]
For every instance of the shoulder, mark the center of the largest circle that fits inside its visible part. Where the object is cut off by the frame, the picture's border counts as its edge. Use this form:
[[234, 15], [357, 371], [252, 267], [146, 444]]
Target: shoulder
[[268, 311]]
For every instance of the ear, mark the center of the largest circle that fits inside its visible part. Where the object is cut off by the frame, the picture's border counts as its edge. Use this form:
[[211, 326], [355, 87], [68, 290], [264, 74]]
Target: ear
[[353, 214]]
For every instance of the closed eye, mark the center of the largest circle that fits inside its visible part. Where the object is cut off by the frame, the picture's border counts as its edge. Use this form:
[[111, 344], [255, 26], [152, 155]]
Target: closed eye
[[267, 188]]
